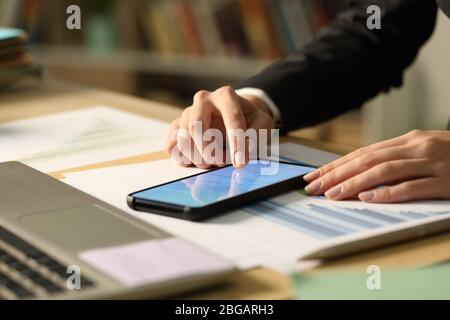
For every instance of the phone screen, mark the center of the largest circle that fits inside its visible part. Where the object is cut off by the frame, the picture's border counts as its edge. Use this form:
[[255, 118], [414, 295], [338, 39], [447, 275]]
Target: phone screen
[[224, 183]]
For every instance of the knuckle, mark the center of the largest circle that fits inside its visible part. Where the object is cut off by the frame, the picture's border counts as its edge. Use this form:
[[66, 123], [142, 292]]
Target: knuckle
[[174, 125], [172, 136], [201, 96], [385, 194], [415, 134], [385, 169], [349, 185], [430, 146], [360, 152], [440, 168], [228, 90], [324, 170], [192, 126], [330, 178], [186, 112], [234, 115], [182, 135], [357, 154], [406, 189], [366, 160]]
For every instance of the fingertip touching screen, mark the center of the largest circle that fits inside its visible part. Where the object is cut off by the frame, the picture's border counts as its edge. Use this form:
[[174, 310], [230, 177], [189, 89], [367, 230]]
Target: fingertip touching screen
[[224, 183]]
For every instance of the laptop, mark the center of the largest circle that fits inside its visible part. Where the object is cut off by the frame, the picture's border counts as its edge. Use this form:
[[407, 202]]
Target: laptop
[[59, 243]]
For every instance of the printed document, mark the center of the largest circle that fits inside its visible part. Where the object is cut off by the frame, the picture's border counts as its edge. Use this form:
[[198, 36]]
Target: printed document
[[77, 138], [275, 233]]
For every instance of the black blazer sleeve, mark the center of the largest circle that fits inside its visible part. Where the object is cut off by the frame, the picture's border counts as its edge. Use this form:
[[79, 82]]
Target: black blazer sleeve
[[348, 63]]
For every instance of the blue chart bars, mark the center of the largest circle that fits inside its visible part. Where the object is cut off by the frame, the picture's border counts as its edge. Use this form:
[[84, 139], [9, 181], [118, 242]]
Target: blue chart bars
[[331, 221]]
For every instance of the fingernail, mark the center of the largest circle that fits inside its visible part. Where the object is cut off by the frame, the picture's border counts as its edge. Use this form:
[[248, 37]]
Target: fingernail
[[333, 193], [366, 196], [311, 176], [239, 158], [314, 187]]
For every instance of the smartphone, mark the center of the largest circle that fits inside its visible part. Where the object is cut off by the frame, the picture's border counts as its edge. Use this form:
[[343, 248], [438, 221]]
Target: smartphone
[[213, 192]]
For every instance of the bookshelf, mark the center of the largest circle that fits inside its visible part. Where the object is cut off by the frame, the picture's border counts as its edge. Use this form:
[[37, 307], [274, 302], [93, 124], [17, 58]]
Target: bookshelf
[[208, 42], [168, 49], [136, 61]]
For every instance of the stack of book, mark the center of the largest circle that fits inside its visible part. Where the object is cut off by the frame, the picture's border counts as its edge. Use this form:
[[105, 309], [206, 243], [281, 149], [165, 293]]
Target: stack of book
[[14, 58], [261, 29], [255, 29]]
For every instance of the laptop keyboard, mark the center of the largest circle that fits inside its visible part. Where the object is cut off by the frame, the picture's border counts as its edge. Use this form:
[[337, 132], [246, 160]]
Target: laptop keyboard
[[27, 273]]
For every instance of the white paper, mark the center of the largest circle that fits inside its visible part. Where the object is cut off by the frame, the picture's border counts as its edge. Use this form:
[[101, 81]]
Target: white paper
[[243, 238], [77, 138], [154, 261], [248, 238]]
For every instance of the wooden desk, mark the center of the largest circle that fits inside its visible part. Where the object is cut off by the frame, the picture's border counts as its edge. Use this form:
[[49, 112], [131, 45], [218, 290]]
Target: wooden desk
[[31, 99]]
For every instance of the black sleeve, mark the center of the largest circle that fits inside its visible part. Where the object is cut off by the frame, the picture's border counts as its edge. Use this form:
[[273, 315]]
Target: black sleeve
[[348, 64]]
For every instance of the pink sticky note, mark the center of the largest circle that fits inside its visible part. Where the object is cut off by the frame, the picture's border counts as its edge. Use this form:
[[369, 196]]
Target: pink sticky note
[[154, 261]]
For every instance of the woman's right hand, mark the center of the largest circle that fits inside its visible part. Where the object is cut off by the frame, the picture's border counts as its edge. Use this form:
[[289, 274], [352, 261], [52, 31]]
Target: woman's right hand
[[225, 111]]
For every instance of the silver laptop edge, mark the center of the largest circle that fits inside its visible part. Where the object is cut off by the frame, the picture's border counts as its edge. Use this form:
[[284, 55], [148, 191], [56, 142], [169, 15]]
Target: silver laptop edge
[[62, 222]]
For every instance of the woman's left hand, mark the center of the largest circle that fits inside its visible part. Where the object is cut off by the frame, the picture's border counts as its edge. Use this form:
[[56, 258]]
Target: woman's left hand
[[415, 166]]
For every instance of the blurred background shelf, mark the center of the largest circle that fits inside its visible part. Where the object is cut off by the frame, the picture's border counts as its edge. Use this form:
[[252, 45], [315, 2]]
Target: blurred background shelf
[[160, 44], [171, 78], [134, 61], [166, 50]]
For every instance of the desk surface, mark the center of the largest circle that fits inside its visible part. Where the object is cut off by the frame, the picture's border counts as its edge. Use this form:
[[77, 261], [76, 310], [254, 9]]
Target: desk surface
[[32, 98]]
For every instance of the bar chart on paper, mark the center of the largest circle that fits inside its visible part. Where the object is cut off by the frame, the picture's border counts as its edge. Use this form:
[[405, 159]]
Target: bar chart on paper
[[323, 219]]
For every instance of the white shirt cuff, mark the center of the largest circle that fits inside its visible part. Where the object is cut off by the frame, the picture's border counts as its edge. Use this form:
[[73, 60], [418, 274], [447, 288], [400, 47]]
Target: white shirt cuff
[[264, 97]]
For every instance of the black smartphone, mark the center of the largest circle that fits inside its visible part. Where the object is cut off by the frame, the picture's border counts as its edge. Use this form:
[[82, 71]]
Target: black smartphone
[[209, 193]]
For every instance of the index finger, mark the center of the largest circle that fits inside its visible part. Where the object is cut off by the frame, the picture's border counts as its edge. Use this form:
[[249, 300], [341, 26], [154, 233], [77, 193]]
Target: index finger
[[229, 105]]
